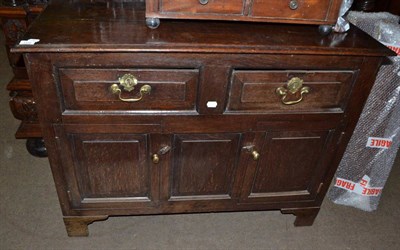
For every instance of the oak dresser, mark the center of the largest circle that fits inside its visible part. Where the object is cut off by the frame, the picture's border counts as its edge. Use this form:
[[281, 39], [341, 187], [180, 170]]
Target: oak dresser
[[194, 116]]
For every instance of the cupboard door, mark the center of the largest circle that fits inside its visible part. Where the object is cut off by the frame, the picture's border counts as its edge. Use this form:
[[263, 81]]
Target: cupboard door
[[290, 168], [107, 168], [203, 167]]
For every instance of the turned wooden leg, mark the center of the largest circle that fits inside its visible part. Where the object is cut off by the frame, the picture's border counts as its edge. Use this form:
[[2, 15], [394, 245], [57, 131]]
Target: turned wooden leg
[[78, 226], [304, 216]]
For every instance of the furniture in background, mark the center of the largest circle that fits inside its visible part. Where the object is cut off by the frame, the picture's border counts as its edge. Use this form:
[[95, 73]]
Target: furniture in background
[[16, 16], [322, 12], [192, 116], [392, 6]]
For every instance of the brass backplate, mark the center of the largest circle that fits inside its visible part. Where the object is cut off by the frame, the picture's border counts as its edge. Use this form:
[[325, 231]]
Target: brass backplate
[[128, 81], [294, 84]]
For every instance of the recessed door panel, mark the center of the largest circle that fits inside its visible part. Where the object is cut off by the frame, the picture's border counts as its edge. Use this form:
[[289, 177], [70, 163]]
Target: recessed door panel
[[112, 166], [203, 166], [107, 169]]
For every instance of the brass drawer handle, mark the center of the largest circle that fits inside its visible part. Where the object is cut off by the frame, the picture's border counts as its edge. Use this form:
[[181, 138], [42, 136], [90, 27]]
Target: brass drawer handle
[[128, 82], [156, 157], [253, 152], [293, 86], [293, 5]]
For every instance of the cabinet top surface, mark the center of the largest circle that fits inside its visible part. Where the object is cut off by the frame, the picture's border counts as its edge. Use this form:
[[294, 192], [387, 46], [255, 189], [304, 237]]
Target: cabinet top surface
[[118, 26]]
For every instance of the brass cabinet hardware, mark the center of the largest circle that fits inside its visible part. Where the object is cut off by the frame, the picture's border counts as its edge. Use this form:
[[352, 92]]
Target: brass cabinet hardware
[[293, 5], [255, 155], [156, 158], [293, 86], [253, 152], [128, 83]]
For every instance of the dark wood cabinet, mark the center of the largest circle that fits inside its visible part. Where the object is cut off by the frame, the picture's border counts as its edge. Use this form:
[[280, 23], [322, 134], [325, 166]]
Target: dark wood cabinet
[[16, 16], [231, 117]]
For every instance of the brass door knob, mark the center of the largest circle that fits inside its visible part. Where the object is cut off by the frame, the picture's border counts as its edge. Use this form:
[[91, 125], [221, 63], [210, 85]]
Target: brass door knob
[[155, 158], [253, 152], [255, 155]]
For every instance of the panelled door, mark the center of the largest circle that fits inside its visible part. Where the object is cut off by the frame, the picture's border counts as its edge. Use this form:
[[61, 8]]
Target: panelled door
[[205, 167], [106, 167], [291, 166]]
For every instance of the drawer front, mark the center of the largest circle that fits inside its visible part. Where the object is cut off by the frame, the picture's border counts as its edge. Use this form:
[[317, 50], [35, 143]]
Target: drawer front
[[203, 6], [272, 91], [89, 89], [291, 9]]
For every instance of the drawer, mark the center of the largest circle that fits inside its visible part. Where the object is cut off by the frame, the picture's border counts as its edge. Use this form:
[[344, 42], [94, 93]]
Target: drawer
[[89, 89], [271, 91], [291, 9], [203, 6]]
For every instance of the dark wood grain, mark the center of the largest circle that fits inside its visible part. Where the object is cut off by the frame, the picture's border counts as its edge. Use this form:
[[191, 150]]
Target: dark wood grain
[[203, 165], [106, 167], [290, 164], [111, 165]]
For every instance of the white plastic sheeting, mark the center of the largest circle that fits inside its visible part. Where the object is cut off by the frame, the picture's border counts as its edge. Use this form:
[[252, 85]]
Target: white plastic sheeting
[[371, 152]]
